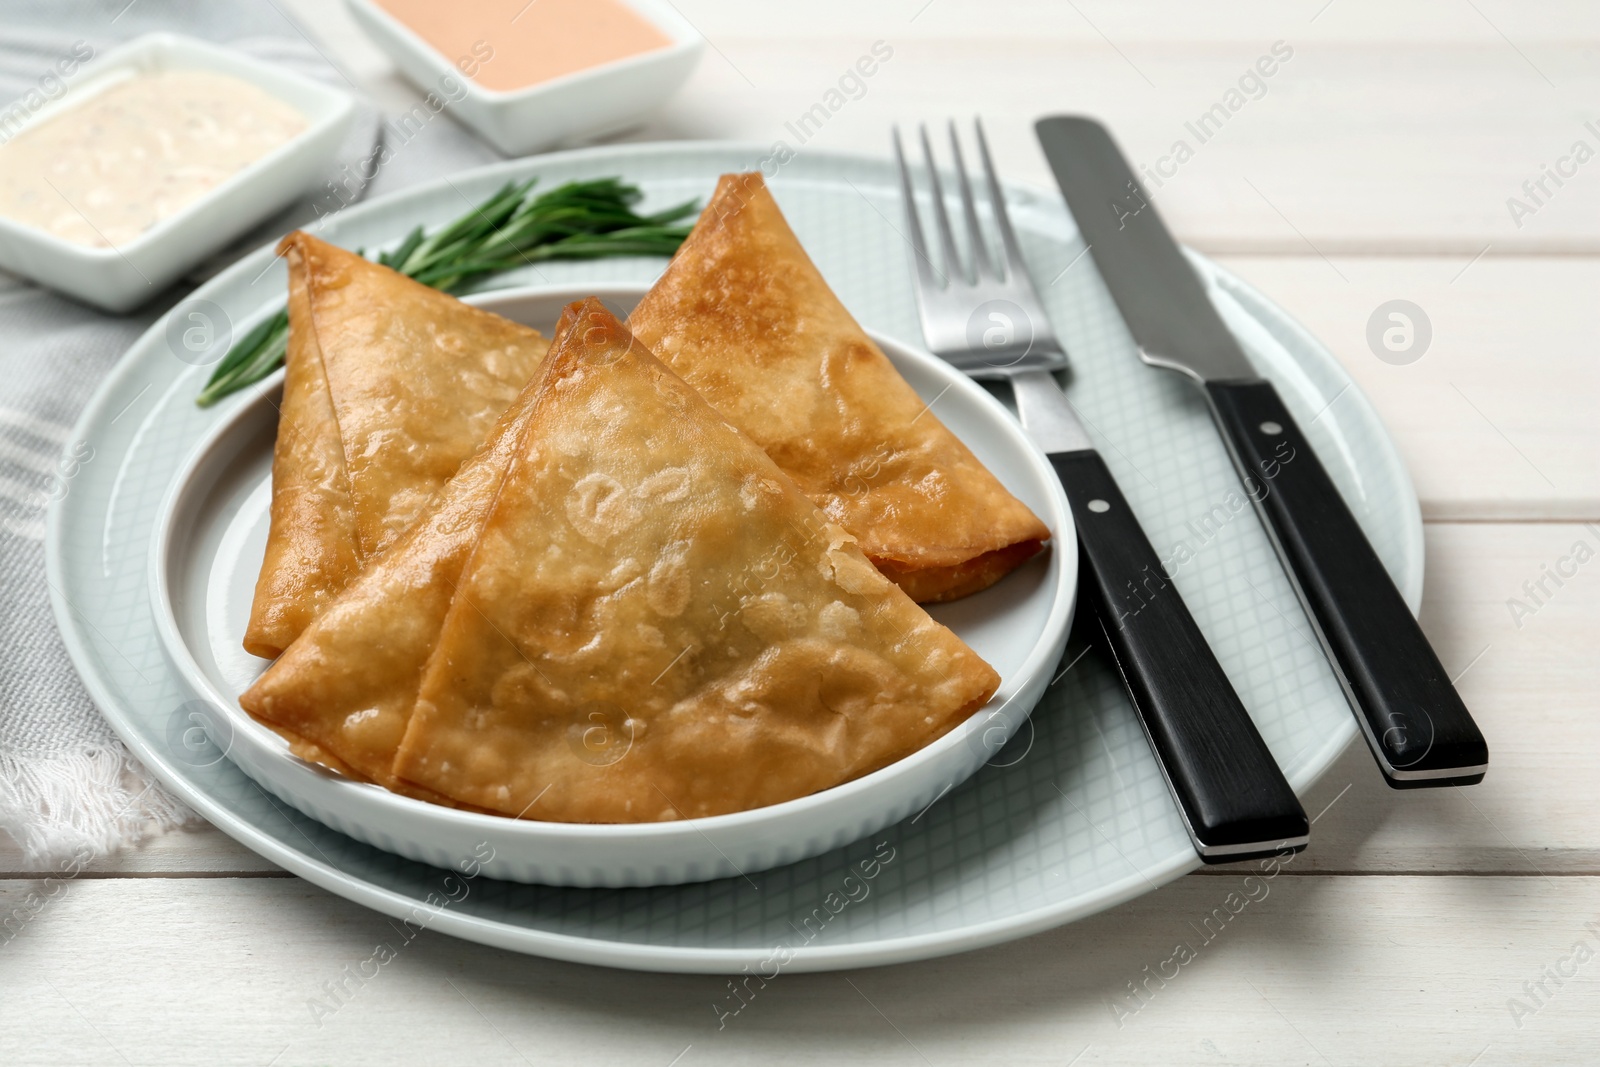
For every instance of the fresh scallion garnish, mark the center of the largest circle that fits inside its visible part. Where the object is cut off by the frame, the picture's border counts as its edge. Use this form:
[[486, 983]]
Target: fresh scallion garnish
[[513, 228]]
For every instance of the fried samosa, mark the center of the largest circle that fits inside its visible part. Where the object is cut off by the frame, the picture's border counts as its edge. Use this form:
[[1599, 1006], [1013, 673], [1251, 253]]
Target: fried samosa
[[389, 387], [647, 573], [744, 316], [342, 692], [311, 545]]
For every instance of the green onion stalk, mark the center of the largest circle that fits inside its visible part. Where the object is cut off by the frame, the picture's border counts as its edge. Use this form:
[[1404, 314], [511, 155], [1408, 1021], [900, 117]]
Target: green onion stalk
[[513, 228]]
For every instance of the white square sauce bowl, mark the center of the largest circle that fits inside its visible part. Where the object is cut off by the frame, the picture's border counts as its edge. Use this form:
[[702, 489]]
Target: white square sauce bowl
[[126, 274], [580, 105]]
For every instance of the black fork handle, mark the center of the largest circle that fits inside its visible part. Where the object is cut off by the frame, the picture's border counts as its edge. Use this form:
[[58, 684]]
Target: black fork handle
[[1233, 797]]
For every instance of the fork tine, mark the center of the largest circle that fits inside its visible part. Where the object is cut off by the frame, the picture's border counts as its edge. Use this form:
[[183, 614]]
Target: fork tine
[[949, 311], [927, 277], [953, 266], [1016, 268], [980, 248]]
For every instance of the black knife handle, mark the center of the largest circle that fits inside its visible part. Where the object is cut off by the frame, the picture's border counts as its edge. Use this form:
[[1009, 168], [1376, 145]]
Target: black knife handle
[[1419, 730], [1234, 799]]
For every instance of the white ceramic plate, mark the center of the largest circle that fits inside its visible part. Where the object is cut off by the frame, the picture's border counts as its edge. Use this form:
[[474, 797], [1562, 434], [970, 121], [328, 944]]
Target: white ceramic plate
[[212, 533], [1070, 819]]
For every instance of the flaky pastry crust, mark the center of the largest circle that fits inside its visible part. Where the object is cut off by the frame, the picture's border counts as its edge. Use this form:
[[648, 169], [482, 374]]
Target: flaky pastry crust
[[656, 623], [390, 385], [744, 316]]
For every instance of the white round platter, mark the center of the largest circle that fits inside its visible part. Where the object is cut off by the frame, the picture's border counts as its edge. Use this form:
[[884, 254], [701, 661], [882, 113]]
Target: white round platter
[[1071, 818], [211, 534]]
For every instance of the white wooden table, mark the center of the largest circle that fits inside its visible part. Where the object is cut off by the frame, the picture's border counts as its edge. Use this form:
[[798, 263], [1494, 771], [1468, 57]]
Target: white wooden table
[[1433, 927]]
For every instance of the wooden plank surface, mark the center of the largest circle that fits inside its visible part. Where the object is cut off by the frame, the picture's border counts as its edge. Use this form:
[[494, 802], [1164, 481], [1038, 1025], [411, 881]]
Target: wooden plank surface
[[1371, 179], [1410, 129], [1179, 23], [200, 851], [1497, 416], [1313, 970]]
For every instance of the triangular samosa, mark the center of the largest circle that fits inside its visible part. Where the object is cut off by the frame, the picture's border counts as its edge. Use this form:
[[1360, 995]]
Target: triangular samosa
[[744, 316], [389, 387], [342, 692], [311, 546], [649, 573]]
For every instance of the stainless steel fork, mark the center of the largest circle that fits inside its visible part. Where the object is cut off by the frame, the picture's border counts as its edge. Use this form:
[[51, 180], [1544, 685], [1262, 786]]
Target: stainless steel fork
[[989, 322]]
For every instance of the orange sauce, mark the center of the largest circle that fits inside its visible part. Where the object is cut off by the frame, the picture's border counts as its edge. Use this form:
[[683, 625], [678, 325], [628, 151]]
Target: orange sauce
[[511, 44]]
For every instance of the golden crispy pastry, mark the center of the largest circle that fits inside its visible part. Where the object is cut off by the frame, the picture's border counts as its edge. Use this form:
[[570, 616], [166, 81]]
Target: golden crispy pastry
[[657, 624], [312, 752], [342, 692], [744, 316], [311, 549], [390, 385]]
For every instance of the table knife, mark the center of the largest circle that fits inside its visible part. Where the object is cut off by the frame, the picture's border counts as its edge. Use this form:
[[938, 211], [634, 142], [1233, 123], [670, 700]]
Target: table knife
[[1415, 722]]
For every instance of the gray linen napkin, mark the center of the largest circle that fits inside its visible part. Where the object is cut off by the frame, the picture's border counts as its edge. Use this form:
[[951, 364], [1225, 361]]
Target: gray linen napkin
[[68, 788]]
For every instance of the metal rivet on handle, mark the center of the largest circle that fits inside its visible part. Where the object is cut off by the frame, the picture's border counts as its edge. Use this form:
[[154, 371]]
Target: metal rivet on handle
[[1097, 506], [1271, 429]]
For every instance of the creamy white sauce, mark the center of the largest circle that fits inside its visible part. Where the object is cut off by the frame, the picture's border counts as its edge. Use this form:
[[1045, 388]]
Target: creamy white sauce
[[103, 171]]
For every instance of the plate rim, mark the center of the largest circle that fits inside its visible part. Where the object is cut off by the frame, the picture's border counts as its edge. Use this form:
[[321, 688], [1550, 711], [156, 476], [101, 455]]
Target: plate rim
[[633, 955]]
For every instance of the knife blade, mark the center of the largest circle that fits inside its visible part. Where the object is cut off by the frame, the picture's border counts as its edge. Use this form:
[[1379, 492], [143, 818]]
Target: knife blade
[[1414, 721]]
